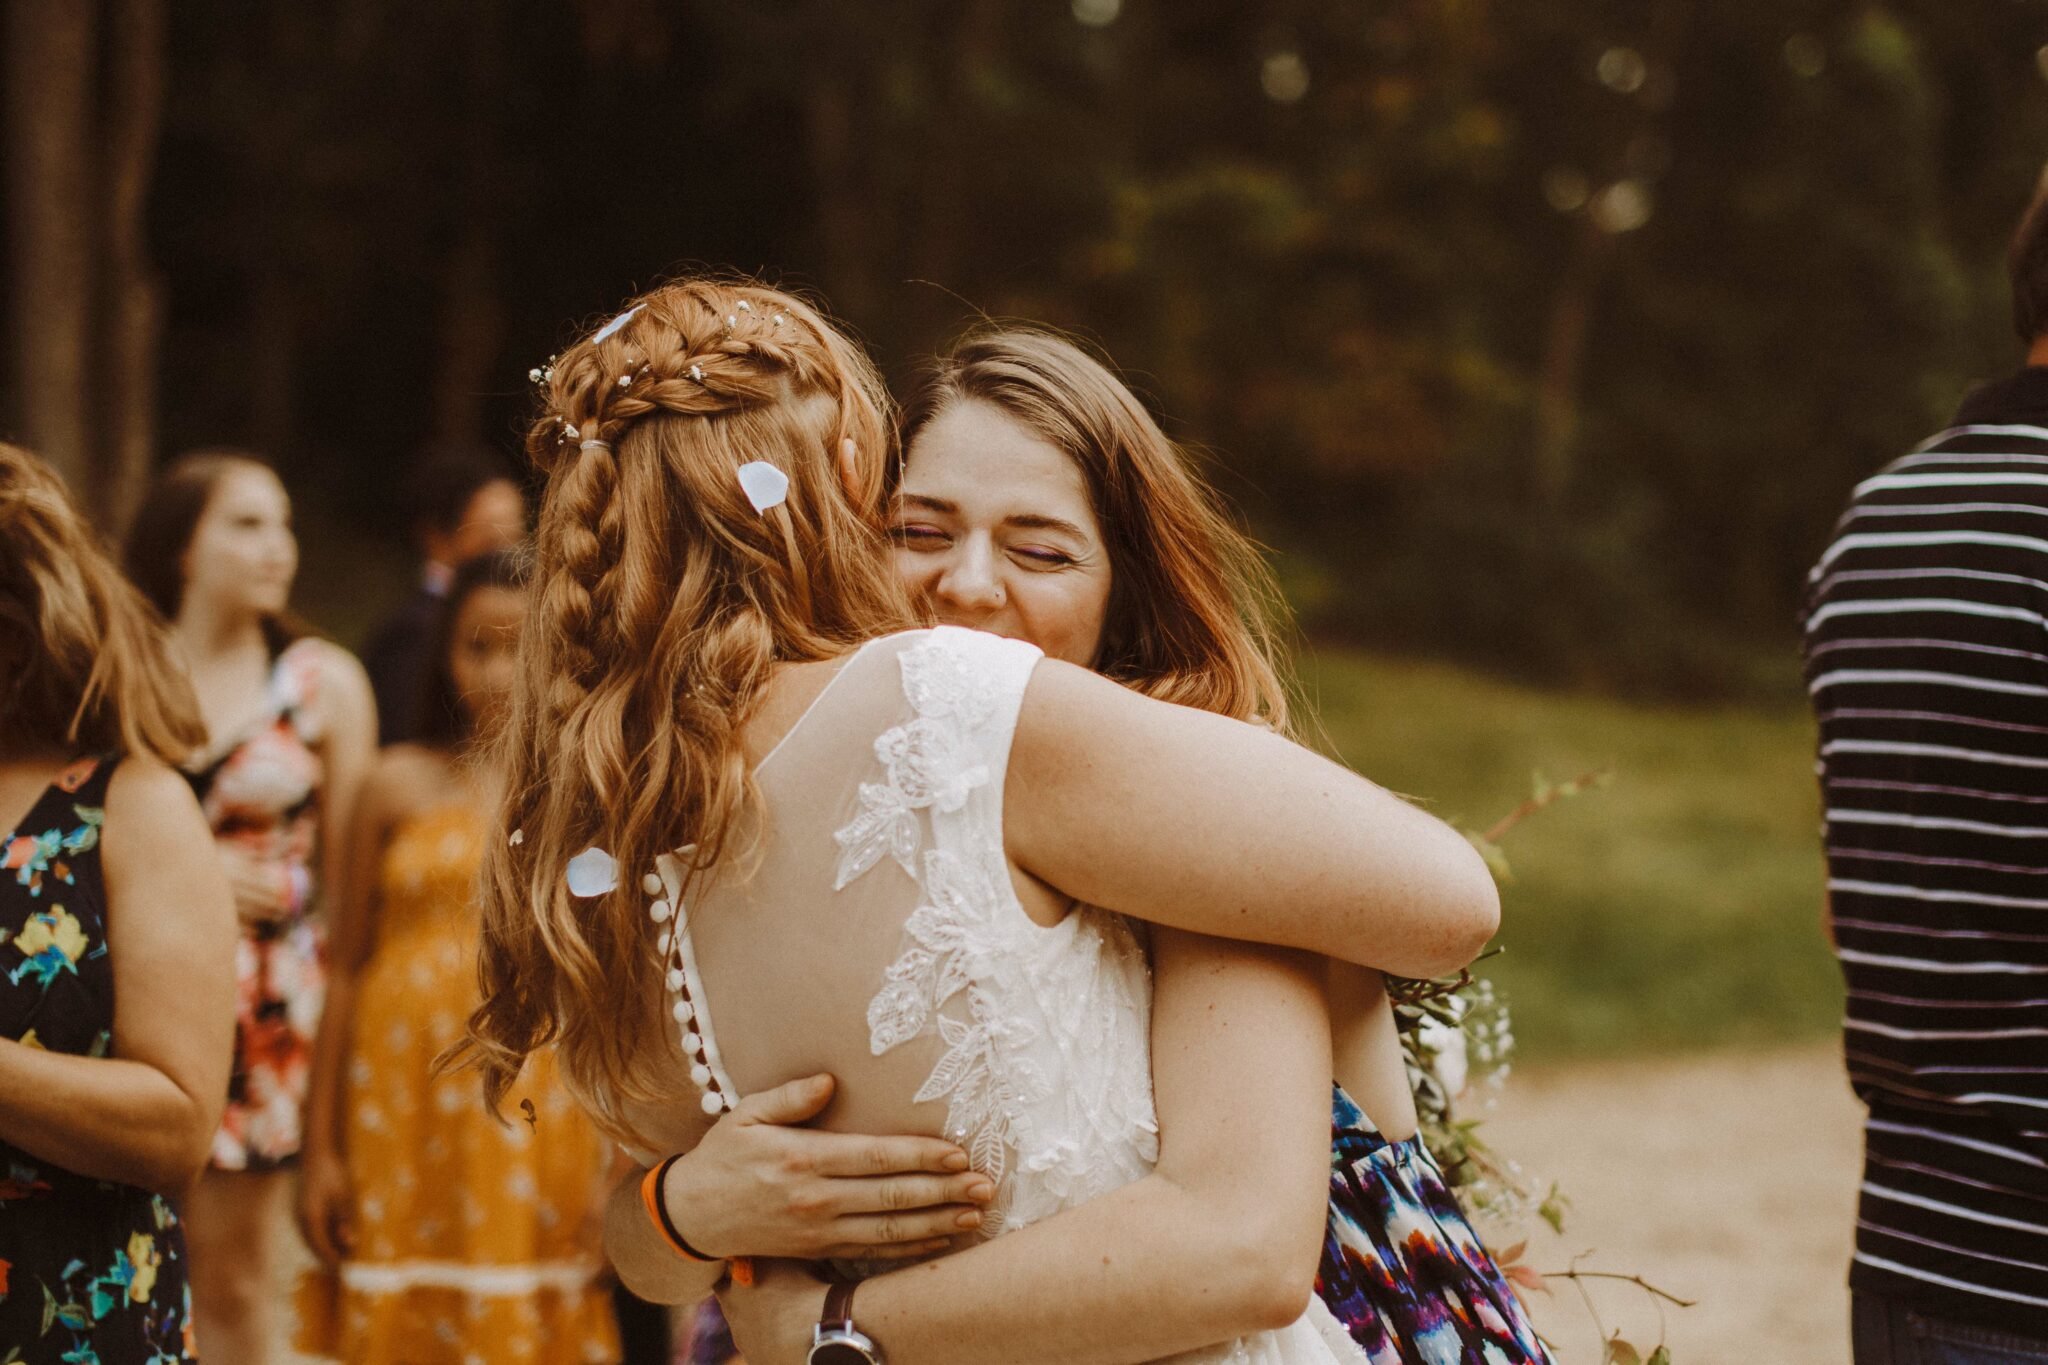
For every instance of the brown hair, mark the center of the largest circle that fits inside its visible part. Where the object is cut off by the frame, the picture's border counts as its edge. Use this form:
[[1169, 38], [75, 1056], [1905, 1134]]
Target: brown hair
[[85, 663], [1194, 612], [661, 603], [154, 553]]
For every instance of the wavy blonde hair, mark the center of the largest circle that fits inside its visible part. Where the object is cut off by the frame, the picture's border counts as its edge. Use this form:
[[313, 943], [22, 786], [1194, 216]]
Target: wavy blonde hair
[[84, 663], [662, 602]]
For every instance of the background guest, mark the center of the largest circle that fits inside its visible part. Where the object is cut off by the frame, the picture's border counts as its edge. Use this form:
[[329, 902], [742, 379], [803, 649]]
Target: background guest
[[1924, 658], [481, 1238], [116, 950], [466, 506], [290, 730]]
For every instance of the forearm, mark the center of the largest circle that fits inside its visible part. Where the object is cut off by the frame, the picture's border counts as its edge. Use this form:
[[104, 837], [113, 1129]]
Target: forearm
[[643, 1259], [103, 1117], [329, 1068], [1185, 1271]]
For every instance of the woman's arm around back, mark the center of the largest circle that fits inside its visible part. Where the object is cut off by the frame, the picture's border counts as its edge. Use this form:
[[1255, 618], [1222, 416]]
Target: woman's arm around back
[[1207, 824]]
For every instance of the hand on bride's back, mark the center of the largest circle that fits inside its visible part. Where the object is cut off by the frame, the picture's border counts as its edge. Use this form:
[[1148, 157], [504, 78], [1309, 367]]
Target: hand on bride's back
[[759, 1186]]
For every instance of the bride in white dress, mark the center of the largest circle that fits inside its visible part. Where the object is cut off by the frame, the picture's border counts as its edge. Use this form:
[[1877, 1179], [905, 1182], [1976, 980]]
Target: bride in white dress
[[734, 795]]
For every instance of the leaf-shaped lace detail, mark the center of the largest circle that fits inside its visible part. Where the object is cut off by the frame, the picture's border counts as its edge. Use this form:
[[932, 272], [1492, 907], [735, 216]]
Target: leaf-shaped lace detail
[[941, 682], [951, 939], [886, 825], [926, 763]]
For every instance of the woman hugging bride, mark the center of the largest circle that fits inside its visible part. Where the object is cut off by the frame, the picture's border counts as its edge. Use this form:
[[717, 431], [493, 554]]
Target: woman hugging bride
[[1056, 896]]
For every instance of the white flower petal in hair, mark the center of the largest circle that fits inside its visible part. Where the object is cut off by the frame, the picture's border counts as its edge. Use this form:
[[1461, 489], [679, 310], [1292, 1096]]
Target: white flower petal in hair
[[518, 838], [697, 373], [746, 307], [611, 328], [593, 872], [764, 484]]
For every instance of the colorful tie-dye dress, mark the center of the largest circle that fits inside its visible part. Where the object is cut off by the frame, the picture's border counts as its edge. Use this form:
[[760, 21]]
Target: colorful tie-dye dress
[[90, 1270], [261, 792], [1401, 1268]]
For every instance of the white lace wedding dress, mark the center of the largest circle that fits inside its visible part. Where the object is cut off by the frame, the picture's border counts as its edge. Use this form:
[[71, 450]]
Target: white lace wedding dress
[[870, 928]]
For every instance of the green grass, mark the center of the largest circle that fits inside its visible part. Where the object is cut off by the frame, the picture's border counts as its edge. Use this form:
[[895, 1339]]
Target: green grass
[[1678, 907]]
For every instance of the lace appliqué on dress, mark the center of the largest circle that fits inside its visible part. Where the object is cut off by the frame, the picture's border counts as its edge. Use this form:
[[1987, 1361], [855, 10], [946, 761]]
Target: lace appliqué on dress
[[953, 941]]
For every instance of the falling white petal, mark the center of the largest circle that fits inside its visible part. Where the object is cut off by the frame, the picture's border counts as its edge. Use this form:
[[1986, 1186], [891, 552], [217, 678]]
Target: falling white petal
[[764, 484], [612, 327], [593, 872]]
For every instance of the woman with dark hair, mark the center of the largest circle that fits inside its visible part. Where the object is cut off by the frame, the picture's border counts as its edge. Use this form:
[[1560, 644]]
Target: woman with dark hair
[[290, 729], [444, 1235], [116, 950]]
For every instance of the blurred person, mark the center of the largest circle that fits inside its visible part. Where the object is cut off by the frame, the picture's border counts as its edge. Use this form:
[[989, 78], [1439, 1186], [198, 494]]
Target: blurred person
[[117, 940], [722, 636], [464, 505], [1022, 450], [444, 1234], [290, 732], [1928, 669]]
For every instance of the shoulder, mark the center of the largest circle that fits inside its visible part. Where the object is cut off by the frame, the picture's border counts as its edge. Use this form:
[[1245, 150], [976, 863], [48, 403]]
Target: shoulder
[[327, 664], [147, 789], [150, 808], [331, 684]]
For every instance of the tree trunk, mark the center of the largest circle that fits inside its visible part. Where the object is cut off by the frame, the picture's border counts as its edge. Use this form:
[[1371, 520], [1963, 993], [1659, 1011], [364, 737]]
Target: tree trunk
[[52, 62], [134, 304]]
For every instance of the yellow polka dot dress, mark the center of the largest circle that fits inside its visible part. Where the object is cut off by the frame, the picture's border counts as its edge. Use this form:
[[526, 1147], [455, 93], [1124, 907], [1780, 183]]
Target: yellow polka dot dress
[[474, 1241]]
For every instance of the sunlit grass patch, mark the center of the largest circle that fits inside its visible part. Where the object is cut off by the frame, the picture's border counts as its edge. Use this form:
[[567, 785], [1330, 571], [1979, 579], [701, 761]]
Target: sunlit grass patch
[[1678, 906]]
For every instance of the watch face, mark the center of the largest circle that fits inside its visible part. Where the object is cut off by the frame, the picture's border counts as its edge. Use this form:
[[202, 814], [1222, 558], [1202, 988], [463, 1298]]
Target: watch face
[[839, 1352]]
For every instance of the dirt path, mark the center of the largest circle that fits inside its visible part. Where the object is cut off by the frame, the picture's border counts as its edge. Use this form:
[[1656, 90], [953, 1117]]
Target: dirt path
[[1728, 1178]]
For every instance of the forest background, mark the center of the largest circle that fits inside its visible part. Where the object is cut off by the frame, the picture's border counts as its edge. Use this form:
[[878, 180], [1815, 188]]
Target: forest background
[[1541, 342]]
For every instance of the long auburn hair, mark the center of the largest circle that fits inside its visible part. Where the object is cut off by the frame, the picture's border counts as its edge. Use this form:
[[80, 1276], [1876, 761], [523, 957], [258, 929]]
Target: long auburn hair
[[84, 663], [1195, 615], [662, 601]]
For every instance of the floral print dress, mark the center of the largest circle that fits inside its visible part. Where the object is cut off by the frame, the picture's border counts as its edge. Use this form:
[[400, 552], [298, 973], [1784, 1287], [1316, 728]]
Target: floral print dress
[[91, 1272], [261, 793], [1401, 1268]]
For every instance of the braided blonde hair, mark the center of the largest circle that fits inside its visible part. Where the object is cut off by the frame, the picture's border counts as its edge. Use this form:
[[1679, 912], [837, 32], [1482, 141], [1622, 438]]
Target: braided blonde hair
[[662, 603]]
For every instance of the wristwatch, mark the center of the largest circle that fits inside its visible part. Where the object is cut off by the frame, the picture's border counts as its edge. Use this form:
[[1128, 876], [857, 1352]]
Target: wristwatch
[[835, 1340]]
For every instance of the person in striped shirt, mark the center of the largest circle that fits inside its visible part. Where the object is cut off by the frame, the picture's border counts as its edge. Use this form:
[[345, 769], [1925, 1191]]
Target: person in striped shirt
[[1926, 641]]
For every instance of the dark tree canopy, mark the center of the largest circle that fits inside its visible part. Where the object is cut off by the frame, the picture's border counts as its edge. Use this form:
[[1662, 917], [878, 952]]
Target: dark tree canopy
[[1549, 336]]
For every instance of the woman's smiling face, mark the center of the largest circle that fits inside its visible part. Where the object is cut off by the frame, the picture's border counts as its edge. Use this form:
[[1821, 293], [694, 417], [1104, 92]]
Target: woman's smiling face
[[994, 528]]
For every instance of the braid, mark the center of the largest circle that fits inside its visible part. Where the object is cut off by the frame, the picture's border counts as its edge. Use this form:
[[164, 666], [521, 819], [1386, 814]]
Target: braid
[[664, 601]]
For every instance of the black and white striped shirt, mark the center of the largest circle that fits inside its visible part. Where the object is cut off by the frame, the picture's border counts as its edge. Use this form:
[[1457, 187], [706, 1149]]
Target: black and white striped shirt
[[1927, 663]]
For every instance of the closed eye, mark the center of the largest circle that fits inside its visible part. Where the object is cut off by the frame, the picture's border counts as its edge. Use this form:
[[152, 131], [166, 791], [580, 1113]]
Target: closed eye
[[918, 536]]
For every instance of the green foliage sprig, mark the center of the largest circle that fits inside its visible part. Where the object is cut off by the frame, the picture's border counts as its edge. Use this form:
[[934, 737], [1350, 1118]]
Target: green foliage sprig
[[1456, 1038]]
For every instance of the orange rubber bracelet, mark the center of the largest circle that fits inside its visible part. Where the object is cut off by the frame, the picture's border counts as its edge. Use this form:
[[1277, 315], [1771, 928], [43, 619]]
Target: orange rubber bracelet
[[657, 1213]]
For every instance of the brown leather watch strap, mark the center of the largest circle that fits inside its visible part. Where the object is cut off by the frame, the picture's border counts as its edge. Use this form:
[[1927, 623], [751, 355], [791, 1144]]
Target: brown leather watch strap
[[839, 1304]]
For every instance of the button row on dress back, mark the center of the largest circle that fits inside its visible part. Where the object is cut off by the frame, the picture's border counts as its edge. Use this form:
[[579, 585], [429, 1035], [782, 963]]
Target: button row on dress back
[[696, 1046]]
